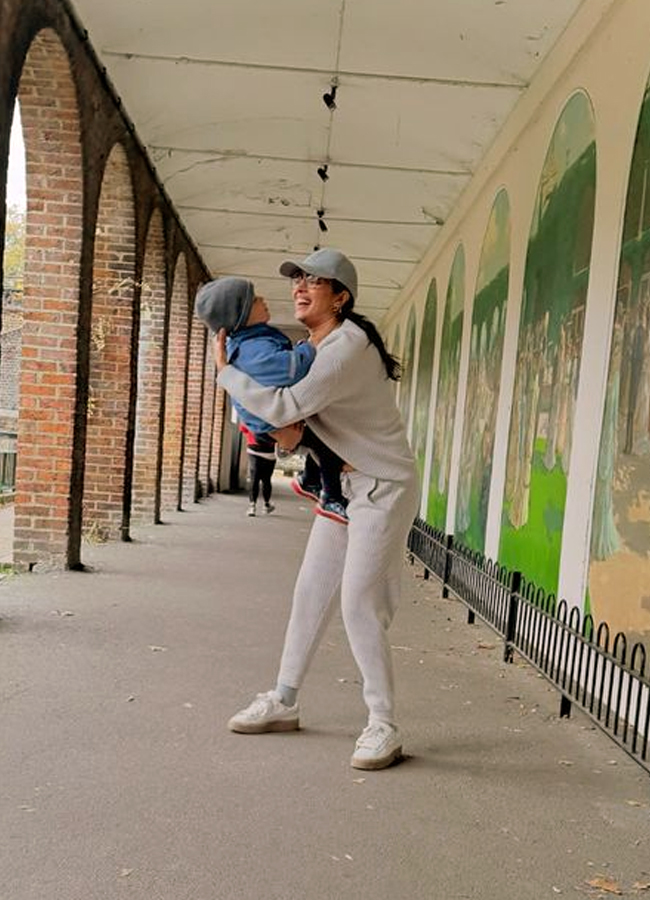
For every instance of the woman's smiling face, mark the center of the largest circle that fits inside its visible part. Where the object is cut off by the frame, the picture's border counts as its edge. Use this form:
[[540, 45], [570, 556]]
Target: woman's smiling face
[[314, 300]]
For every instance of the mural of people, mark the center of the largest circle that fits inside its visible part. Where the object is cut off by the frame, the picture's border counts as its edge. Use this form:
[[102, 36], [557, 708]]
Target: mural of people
[[484, 377], [549, 349], [424, 377], [619, 570], [445, 415]]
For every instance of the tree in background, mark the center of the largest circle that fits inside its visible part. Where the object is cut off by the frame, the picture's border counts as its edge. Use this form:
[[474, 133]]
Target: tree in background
[[14, 255]]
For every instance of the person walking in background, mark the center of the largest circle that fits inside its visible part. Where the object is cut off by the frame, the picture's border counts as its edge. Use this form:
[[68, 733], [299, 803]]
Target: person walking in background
[[267, 354], [346, 398], [261, 463]]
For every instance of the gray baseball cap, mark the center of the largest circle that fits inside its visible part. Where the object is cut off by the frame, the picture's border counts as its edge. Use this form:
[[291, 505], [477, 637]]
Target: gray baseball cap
[[326, 263]]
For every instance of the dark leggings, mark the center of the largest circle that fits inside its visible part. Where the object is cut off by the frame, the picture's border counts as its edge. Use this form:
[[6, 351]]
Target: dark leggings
[[260, 471]]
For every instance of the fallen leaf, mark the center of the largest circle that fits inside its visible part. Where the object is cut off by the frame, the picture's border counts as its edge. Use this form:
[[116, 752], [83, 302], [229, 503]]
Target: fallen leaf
[[157, 649], [634, 803], [604, 883], [482, 646], [564, 762], [188, 705], [358, 780], [399, 647], [641, 886], [125, 873], [130, 698], [347, 856]]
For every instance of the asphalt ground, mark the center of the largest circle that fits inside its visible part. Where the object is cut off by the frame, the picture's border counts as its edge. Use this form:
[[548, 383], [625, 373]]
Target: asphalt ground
[[120, 780]]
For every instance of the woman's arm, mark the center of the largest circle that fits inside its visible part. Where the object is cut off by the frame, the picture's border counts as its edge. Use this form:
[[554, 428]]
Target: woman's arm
[[283, 406]]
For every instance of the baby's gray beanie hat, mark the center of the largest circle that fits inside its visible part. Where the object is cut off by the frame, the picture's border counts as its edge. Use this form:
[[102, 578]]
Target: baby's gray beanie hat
[[225, 303]]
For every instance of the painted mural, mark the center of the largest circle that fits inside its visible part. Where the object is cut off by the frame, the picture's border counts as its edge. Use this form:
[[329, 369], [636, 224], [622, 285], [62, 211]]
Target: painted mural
[[549, 348], [407, 368], [443, 428], [424, 378], [484, 378], [619, 573]]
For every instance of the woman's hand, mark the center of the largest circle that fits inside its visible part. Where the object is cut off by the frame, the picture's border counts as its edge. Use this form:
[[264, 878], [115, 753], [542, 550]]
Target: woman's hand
[[219, 350]]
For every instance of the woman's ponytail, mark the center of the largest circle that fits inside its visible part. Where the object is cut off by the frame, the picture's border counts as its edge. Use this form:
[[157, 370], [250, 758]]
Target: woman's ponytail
[[391, 363]]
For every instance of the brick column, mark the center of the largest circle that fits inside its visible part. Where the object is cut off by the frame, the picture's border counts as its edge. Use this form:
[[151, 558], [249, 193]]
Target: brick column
[[206, 482], [193, 422], [50, 118]]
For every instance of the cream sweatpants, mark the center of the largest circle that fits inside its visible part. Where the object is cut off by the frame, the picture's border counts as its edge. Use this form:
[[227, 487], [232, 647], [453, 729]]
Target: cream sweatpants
[[364, 559]]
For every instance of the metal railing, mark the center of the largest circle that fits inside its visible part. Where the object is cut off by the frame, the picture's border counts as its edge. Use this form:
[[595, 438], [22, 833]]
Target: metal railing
[[605, 676]]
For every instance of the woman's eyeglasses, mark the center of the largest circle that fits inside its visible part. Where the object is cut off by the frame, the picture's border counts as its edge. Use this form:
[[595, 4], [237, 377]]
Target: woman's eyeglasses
[[311, 280]]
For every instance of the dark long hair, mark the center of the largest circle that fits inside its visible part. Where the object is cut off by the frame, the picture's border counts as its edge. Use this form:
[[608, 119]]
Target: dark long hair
[[391, 363]]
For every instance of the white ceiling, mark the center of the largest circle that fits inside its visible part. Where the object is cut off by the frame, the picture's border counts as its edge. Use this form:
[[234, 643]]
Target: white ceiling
[[226, 95]]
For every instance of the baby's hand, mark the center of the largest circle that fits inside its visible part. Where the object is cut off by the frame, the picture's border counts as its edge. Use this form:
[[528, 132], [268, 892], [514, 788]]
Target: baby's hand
[[219, 349]]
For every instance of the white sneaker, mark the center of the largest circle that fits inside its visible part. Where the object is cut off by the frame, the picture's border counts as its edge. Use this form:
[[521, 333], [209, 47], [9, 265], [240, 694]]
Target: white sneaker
[[266, 713], [251, 509], [268, 508], [379, 745]]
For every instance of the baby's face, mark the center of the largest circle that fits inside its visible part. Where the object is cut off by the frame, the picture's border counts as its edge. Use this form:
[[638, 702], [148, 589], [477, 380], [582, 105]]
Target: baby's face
[[259, 312]]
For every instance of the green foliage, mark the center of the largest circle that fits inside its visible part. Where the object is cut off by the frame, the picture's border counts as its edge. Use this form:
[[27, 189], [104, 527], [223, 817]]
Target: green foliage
[[14, 254]]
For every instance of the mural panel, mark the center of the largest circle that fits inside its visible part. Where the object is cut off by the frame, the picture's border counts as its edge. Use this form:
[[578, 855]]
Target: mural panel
[[443, 434], [484, 378], [407, 368], [549, 348], [619, 573], [424, 377]]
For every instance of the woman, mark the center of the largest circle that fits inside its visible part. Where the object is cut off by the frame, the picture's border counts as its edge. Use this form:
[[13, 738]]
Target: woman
[[347, 400]]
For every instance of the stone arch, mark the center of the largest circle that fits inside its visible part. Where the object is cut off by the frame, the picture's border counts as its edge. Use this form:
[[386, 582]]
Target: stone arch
[[110, 352], [48, 371], [145, 501], [175, 389]]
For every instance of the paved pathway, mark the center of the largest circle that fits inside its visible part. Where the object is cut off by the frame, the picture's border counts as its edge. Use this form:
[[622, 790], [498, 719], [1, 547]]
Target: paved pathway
[[120, 780]]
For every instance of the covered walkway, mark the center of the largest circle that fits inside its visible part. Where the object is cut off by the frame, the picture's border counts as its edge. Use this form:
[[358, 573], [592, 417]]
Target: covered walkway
[[119, 778]]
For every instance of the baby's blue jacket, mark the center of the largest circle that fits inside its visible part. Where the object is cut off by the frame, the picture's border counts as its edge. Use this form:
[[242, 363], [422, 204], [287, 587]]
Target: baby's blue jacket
[[268, 356]]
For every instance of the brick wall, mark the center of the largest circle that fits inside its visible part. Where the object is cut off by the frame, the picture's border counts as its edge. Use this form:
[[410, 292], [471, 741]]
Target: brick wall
[[94, 449]]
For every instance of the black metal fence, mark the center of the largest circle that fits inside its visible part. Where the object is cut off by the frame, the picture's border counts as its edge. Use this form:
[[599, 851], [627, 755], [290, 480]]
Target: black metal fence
[[605, 676]]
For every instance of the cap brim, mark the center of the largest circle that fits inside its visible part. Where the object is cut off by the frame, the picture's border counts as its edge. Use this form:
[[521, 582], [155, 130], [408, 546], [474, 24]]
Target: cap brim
[[289, 269]]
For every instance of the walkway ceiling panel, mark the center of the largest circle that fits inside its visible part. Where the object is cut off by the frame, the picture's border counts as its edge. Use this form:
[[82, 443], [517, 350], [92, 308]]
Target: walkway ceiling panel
[[228, 100], [417, 126], [467, 40], [197, 107]]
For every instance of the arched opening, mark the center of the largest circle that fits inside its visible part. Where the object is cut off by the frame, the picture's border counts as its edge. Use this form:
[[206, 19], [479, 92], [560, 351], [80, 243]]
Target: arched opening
[[12, 327], [145, 504], [170, 497], [110, 353]]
